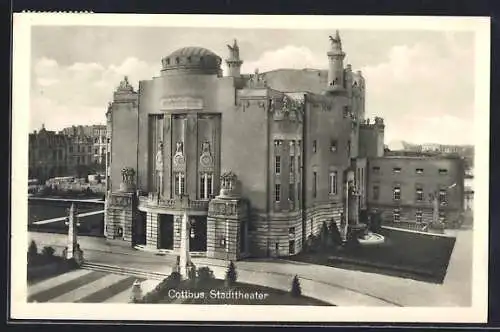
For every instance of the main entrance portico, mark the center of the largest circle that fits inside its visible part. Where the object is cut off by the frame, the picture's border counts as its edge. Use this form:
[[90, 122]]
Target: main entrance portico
[[164, 219]]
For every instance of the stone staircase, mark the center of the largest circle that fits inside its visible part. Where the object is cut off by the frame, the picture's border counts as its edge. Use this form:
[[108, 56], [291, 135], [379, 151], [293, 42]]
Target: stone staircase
[[112, 269]]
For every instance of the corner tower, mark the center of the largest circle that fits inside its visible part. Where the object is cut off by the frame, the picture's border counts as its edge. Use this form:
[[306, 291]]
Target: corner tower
[[234, 62], [335, 64]]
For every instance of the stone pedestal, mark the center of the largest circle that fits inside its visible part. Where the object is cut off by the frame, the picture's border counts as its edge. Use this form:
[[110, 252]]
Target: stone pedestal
[[121, 210], [224, 231]]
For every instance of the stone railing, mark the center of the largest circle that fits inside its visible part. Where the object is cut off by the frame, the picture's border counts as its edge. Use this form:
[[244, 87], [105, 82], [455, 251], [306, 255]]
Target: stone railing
[[414, 226], [153, 200]]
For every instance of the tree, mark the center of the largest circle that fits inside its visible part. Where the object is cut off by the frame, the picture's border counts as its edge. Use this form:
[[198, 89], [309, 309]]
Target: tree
[[296, 290], [48, 251], [231, 274], [324, 234], [205, 274], [32, 250], [335, 233]]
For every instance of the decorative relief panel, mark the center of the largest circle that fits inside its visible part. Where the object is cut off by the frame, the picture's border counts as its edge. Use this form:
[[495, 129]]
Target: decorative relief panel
[[206, 159], [179, 161], [181, 103], [287, 108]]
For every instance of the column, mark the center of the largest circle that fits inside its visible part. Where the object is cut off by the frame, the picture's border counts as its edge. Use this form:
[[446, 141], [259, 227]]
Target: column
[[185, 259]]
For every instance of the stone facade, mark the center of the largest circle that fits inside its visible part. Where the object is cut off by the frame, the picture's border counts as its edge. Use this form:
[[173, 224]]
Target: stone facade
[[258, 162]]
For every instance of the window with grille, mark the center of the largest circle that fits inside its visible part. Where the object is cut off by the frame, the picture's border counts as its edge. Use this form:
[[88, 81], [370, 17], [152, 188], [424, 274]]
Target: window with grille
[[277, 165], [179, 183], [397, 193], [418, 216], [277, 192], [206, 186], [396, 216]]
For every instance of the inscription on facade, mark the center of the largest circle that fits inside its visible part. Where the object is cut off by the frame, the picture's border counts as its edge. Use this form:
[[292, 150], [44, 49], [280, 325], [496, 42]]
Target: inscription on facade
[[181, 103]]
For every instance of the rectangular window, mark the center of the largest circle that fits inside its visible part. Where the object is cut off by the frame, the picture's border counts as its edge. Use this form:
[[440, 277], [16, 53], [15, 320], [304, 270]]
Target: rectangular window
[[291, 247], [443, 171], [419, 171], [333, 146], [292, 165], [315, 146], [418, 216], [278, 142], [315, 184], [333, 183], [375, 170], [397, 193], [277, 165], [205, 185], [396, 217], [376, 192], [442, 217], [443, 199], [202, 187], [179, 183], [419, 195], [396, 170], [299, 191], [346, 111], [291, 192], [210, 188], [70, 149], [277, 192]]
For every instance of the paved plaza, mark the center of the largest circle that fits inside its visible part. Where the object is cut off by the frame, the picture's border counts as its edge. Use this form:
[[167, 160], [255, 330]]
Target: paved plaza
[[334, 285]]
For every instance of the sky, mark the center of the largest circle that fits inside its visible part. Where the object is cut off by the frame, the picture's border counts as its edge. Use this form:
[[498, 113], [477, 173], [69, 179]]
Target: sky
[[420, 82]]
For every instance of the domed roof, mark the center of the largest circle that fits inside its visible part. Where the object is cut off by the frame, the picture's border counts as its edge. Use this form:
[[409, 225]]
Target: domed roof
[[192, 60], [193, 51]]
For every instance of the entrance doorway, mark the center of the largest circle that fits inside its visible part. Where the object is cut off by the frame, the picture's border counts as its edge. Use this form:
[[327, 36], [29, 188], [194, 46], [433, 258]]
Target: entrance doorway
[[166, 231], [198, 234], [139, 234]]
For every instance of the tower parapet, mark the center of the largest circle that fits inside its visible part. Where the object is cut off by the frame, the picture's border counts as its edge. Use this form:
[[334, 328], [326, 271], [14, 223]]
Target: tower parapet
[[233, 61], [336, 64]]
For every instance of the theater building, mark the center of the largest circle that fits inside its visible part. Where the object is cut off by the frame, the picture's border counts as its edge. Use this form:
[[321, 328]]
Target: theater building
[[257, 161]]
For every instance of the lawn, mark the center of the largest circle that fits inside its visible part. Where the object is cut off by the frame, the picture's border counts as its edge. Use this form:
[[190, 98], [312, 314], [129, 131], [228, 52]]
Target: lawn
[[417, 256], [214, 291]]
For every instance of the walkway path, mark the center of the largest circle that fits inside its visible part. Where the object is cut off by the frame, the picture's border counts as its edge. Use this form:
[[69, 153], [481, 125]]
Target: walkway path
[[76, 200], [339, 286], [84, 286]]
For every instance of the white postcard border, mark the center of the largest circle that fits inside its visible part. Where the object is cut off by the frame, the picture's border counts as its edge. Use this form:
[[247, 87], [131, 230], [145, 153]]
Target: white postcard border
[[20, 309]]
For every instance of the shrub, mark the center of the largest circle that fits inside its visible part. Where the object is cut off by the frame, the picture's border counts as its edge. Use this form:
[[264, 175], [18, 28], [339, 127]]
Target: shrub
[[174, 279], [205, 274], [324, 234], [48, 251], [32, 249], [296, 290], [192, 272], [231, 274], [335, 233]]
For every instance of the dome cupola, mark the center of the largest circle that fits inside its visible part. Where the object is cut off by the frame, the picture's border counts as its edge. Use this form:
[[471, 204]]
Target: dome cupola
[[192, 60]]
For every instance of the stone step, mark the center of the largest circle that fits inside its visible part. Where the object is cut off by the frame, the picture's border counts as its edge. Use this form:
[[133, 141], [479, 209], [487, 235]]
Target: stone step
[[151, 275]]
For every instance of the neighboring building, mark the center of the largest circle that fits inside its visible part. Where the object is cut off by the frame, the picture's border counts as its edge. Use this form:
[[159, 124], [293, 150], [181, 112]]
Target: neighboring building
[[257, 162], [81, 134], [48, 155], [400, 187], [70, 152]]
